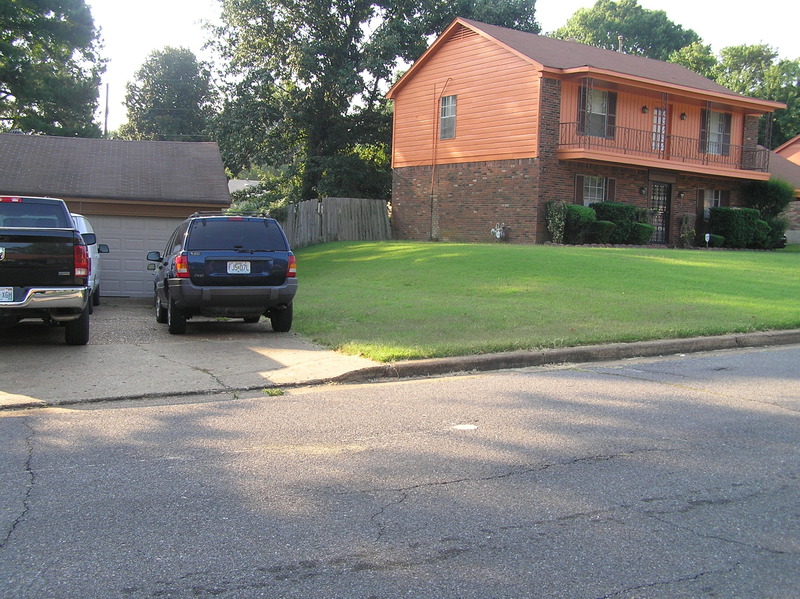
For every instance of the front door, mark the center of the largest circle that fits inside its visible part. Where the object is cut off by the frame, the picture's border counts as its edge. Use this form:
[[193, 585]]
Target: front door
[[660, 194]]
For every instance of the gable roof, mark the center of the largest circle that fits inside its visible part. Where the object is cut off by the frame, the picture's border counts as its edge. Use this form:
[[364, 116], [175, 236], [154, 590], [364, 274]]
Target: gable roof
[[563, 57], [792, 144], [784, 169], [161, 171]]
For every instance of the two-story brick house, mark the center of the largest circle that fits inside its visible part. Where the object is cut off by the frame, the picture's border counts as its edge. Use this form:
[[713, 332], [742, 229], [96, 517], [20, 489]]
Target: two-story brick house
[[491, 123]]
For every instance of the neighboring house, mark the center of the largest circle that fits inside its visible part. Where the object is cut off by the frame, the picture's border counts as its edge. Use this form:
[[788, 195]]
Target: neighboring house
[[790, 150], [491, 123], [789, 171], [133, 192]]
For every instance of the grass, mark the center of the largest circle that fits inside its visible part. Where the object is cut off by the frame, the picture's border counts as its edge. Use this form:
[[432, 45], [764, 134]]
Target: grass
[[400, 300]]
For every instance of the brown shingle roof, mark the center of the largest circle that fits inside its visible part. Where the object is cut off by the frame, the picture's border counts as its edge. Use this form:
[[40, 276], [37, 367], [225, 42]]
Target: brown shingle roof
[[784, 169], [112, 169], [561, 54]]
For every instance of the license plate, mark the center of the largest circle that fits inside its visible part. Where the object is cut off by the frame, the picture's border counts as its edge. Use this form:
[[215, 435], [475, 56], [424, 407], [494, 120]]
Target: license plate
[[6, 294], [238, 268]]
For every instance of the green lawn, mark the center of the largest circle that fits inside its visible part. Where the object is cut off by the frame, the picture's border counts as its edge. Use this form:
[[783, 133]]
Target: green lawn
[[400, 300]]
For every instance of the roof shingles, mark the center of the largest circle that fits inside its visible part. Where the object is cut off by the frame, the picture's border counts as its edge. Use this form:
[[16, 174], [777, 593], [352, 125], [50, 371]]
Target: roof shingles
[[112, 169]]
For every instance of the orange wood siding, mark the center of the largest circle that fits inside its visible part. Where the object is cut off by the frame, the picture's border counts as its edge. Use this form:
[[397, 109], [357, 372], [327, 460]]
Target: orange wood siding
[[630, 115], [496, 113]]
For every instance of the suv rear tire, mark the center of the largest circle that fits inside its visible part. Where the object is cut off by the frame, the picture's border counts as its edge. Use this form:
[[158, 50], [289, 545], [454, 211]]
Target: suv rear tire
[[176, 319], [281, 320]]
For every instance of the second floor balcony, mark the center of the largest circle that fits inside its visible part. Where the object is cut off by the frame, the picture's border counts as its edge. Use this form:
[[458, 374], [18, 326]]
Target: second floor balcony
[[655, 149]]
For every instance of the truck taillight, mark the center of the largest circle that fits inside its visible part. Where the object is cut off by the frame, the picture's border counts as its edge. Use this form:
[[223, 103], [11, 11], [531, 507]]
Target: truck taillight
[[82, 266], [292, 272], [182, 267]]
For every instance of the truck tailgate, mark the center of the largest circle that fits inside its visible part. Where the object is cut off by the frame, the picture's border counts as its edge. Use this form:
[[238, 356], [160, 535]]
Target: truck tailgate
[[36, 257]]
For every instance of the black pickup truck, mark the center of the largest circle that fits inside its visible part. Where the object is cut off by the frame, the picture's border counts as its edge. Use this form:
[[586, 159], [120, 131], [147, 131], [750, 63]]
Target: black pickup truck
[[44, 266]]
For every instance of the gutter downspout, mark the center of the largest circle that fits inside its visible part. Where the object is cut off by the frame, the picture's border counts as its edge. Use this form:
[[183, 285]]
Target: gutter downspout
[[437, 100]]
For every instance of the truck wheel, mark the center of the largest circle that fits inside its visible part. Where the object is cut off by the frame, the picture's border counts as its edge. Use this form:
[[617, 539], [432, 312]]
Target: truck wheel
[[76, 332], [176, 319], [161, 311], [281, 320]]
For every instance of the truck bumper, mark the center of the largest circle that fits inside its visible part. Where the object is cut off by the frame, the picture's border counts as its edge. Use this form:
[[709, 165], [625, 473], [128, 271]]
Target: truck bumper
[[58, 303]]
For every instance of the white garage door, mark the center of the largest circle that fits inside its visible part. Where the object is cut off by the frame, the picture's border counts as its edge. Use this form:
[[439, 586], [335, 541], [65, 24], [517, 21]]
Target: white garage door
[[123, 271]]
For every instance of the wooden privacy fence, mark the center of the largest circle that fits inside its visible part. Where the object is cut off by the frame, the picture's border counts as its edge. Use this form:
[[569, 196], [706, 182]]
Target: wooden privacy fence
[[337, 219]]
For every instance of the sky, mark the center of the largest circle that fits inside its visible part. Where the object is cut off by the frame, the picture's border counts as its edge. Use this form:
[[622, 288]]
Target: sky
[[131, 33]]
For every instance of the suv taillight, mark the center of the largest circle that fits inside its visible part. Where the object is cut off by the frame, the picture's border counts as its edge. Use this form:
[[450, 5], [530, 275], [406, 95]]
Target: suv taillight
[[81, 258], [292, 272], [182, 266]]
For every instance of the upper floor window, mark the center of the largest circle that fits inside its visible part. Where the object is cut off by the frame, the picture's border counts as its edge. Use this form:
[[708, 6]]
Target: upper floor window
[[597, 112], [447, 118], [715, 133]]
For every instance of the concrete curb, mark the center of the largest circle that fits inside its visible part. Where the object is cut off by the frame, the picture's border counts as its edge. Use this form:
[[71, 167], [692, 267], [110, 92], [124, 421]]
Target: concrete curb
[[568, 355], [477, 363]]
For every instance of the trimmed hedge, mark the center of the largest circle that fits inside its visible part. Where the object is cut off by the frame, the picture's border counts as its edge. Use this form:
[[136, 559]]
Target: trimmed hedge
[[642, 233], [622, 215], [576, 226], [600, 231], [736, 225]]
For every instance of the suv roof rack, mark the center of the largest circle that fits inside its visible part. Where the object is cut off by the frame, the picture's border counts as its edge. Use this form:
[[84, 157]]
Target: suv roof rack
[[262, 213]]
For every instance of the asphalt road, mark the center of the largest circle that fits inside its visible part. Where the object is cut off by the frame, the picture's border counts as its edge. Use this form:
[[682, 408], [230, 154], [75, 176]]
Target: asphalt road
[[662, 477]]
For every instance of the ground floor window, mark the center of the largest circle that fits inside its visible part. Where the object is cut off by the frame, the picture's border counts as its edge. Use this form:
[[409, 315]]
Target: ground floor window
[[591, 189]]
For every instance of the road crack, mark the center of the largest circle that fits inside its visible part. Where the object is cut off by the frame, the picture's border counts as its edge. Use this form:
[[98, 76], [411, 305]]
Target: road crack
[[31, 476]]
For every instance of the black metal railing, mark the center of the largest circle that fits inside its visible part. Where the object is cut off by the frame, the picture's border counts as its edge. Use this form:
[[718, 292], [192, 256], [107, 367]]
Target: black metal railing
[[672, 148]]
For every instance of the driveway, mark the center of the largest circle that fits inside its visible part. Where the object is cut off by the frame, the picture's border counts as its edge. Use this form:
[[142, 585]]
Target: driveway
[[130, 355]]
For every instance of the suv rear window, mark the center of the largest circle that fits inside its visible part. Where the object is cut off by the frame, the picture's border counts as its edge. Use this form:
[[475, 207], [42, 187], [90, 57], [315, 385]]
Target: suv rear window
[[235, 233]]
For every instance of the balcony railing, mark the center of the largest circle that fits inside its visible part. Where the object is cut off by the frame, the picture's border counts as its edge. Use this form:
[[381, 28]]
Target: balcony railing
[[652, 145]]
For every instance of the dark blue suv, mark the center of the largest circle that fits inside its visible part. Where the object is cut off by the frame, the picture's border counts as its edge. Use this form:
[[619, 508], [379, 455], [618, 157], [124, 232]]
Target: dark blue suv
[[225, 265]]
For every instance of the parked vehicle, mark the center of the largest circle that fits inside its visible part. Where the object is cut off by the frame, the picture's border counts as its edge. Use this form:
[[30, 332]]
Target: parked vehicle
[[223, 265], [95, 249], [44, 266]]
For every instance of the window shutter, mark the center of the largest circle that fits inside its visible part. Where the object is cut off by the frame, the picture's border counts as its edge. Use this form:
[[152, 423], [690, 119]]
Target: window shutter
[[582, 99], [579, 189], [725, 198], [611, 190], [704, 118], [611, 117], [726, 137], [701, 205]]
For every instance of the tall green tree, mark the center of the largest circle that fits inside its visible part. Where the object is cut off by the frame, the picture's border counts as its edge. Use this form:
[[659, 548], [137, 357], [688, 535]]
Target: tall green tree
[[645, 32], [171, 98], [50, 67], [753, 70], [308, 82]]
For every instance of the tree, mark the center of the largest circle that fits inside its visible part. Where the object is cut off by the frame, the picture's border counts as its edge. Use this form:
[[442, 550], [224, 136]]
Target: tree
[[49, 67], [645, 32], [308, 82], [752, 70], [697, 57], [170, 100]]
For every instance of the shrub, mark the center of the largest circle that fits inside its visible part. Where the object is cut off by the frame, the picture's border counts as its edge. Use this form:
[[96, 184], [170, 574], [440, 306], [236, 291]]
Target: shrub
[[688, 232], [600, 231], [770, 198], [736, 225], [777, 232], [642, 233], [622, 215], [716, 241], [556, 218], [579, 219], [761, 236]]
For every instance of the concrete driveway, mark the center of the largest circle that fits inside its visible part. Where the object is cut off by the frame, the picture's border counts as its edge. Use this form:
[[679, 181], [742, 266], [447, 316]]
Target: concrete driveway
[[130, 355]]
